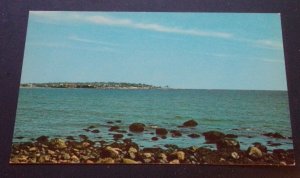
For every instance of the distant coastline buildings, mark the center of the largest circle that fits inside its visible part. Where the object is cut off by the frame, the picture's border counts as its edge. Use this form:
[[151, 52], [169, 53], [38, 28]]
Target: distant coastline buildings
[[96, 85]]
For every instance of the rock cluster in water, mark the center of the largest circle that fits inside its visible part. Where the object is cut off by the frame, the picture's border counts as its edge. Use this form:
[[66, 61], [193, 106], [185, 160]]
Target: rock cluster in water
[[125, 151]]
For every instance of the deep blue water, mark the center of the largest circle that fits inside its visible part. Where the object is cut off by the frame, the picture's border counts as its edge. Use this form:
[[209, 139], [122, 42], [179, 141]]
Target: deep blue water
[[65, 112]]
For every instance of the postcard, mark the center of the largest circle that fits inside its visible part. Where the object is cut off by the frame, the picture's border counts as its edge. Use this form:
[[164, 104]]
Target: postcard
[[153, 88]]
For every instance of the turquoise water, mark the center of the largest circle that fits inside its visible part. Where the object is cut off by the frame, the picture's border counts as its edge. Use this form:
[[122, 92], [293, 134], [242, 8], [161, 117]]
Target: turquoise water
[[65, 112]]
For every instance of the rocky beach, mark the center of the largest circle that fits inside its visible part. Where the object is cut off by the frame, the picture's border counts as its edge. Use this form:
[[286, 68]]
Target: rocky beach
[[83, 150]]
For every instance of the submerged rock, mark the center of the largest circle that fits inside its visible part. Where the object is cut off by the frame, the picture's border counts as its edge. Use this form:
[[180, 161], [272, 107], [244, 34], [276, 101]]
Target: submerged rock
[[190, 123], [161, 131], [193, 135], [95, 131], [154, 138], [137, 127]]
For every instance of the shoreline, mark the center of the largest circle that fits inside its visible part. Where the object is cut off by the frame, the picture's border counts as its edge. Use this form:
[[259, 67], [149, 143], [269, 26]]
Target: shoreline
[[44, 150]]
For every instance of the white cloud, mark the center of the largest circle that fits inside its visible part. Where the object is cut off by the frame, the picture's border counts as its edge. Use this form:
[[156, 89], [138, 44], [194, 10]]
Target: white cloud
[[55, 16], [105, 20], [83, 40], [270, 44]]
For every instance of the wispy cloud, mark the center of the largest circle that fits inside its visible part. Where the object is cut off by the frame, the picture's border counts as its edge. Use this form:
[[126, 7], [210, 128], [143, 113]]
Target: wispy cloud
[[105, 20], [57, 16], [84, 40], [269, 44]]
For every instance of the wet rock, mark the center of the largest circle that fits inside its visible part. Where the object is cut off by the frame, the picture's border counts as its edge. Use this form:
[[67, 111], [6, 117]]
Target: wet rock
[[19, 137], [213, 136], [118, 121], [118, 136], [190, 123], [163, 137], [193, 135], [114, 128], [137, 127], [161, 131], [274, 135], [129, 161], [70, 138], [110, 122], [83, 137], [91, 127], [175, 133], [171, 146], [95, 131], [228, 144], [261, 147], [154, 138], [254, 152], [231, 136], [274, 144], [42, 139]]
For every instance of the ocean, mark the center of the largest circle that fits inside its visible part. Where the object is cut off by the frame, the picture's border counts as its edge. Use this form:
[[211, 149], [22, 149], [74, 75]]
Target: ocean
[[66, 112]]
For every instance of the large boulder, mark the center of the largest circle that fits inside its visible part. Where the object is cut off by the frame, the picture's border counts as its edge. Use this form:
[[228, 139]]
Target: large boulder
[[213, 136], [161, 131], [137, 127], [190, 123], [228, 144]]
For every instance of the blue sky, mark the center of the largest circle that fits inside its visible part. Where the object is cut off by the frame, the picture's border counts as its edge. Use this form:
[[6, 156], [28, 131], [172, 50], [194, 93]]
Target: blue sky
[[181, 50]]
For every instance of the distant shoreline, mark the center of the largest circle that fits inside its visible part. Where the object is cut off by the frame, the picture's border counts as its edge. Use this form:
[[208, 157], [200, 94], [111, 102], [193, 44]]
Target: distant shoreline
[[92, 85]]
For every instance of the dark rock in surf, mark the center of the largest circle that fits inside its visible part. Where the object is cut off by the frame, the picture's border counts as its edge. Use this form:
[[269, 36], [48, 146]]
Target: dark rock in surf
[[137, 127], [190, 123], [193, 135], [175, 133], [154, 138], [83, 137], [228, 144], [213, 136], [91, 127], [118, 136], [70, 138], [110, 122], [118, 121], [95, 131], [231, 136], [114, 128], [273, 135], [42, 139], [161, 131]]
